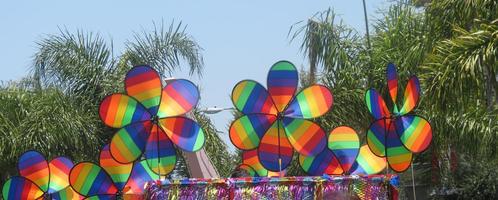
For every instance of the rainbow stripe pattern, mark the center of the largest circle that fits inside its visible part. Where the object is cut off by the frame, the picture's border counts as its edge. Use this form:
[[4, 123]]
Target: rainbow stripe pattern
[[345, 144], [397, 134], [251, 159], [39, 178], [273, 120], [324, 163], [160, 152], [146, 104], [368, 163], [109, 178]]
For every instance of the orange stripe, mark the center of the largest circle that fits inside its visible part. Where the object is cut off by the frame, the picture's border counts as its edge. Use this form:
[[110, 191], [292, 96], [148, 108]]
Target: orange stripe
[[143, 86], [113, 107]]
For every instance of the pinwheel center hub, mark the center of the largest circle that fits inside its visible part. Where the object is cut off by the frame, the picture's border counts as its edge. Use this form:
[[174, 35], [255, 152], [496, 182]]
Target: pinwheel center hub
[[280, 115], [154, 119]]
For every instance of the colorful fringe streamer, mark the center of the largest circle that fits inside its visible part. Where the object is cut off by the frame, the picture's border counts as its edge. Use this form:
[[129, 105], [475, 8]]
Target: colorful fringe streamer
[[316, 187]]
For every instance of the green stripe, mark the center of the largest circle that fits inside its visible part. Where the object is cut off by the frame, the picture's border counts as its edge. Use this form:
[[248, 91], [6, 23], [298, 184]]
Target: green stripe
[[364, 164], [283, 66], [244, 95], [303, 105], [151, 102], [119, 178], [130, 110], [89, 179], [293, 126], [249, 129], [344, 145], [151, 174], [129, 142], [199, 141], [307, 162], [367, 100], [6, 188], [395, 151]]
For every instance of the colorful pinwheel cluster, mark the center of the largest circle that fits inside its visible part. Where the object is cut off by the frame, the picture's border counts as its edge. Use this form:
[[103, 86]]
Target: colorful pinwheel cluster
[[149, 119], [275, 120], [343, 156], [40, 179], [399, 133], [110, 179]]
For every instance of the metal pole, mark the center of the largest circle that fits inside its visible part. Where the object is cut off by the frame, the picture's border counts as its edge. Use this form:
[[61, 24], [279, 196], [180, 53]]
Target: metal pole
[[413, 183], [369, 45]]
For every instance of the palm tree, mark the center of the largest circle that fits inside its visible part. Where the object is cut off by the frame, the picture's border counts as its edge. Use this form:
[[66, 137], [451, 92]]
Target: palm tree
[[55, 109]]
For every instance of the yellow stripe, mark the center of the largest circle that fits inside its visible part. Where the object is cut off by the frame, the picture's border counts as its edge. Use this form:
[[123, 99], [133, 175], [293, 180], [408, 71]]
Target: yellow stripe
[[123, 105]]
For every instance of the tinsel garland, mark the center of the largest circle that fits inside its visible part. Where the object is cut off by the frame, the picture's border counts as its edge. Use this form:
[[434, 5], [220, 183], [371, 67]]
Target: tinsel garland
[[324, 187]]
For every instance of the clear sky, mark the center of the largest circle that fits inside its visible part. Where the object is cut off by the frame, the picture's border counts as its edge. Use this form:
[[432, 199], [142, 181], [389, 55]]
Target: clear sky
[[241, 39]]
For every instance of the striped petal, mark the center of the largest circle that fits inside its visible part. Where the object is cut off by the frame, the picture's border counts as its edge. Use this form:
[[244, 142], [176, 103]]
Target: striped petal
[[392, 83], [129, 142], [250, 97], [306, 137], [247, 131], [313, 101], [368, 163], [89, 179], [275, 152], [178, 97], [160, 152], [398, 157], [59, 173], [323, 163], [415, 132], [16, 188], [282, 83], [66, 194], [119, 110], [119, 172], [140, 175], [184, 132], [376, 136], [411, 96], [251, 159], [345, 144], [144, 84], [33, 166], [376, 104]]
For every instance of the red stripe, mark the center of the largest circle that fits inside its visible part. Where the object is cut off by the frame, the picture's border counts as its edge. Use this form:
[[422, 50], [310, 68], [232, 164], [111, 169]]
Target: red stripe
[[139, 78]]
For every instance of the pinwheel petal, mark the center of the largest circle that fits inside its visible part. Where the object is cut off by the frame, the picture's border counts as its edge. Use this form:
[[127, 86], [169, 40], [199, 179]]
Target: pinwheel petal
[[144, 84], [376, 104], [415, 132], [119, 172], [178, 97], [247, 131], [250, 97], [140, 175], [398, 157], [368, 163], [306, 137], [411, 96], [251, 159], [66, 194], [129, 142], [345, 144], [313, 101], [119, 110], [184, 132], [160, 152], [376, 136], [274, 151], [89, 179], [17, 187], [33, 166], [59, 174], [392, 82], [282, 83], [323, 163]]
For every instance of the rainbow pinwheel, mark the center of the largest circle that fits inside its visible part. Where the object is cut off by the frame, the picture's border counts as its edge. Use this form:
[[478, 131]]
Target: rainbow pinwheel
[[343, 146], [397, 134], [40, 179], [275, 120], [150, 121], [368, 163], [110, 179]]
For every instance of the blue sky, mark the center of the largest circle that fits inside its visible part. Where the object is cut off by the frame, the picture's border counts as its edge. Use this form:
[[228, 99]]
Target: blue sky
[[241, 39]]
